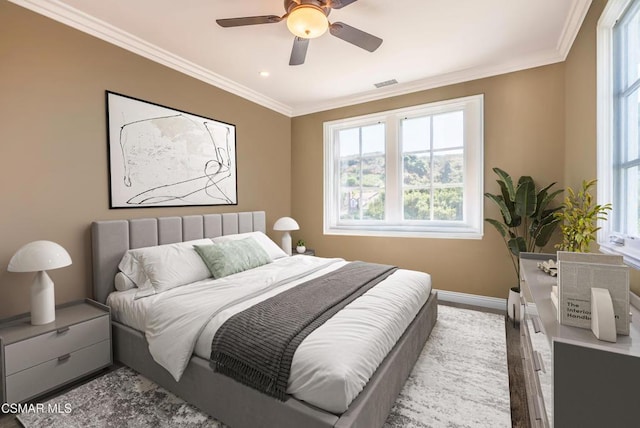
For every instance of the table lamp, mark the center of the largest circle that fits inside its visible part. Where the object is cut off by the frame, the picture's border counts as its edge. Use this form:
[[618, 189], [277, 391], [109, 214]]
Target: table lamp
[[286, 224], [40, 256]]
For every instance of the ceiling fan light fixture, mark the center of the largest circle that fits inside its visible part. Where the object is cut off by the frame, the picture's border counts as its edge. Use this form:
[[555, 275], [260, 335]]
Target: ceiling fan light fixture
[[307, 21]]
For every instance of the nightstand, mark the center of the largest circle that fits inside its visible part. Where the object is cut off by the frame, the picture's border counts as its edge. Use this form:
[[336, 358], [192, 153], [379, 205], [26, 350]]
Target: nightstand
[[309, 252], [35, 359]]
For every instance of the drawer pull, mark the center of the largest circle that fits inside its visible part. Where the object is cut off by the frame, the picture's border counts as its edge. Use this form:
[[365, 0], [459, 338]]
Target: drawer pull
[[538, 365], [62, 330], [64, 357], [536, 324]]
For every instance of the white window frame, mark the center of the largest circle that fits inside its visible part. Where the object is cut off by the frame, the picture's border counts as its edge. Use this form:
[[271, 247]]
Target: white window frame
[[472, 225], [609, 240]]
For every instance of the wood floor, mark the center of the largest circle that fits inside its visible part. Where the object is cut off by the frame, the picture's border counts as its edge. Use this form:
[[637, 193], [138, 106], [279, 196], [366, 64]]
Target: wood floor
[[519, 410]]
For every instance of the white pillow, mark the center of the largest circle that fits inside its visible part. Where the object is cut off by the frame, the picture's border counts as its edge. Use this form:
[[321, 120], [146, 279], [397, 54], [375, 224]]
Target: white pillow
[[273, 250], [160, 268], [173, 265], [131, 267], [123, 283]]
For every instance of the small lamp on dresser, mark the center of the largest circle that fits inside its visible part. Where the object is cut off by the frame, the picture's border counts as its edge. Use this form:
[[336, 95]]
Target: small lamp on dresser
[[40, 256], [286, 224]]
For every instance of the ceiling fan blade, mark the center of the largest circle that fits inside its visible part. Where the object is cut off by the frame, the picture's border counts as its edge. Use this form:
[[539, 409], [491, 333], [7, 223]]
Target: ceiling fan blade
[[339, 4], [248, 20], [299, 51], [357, 37]]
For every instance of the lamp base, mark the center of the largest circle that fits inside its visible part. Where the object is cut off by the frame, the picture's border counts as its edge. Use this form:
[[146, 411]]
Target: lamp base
[[286, 243], [43, 301]]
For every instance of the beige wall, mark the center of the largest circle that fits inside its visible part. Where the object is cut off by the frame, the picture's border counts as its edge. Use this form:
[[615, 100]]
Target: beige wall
[[53, 174], [580, 97], [53, 177], [524, 134]]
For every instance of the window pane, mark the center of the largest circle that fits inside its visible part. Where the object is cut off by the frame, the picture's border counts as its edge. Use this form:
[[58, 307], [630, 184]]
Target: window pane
[[373, 205], [631, 137], [415, 134], [630, 202], [350, 172], [448, 167], [416, 169], [447, 203], [349, 204], [362, 173], [367, 204], [373, 139], [632, 48], [417, 205], [373, 171], [448, 130], [349, 142]]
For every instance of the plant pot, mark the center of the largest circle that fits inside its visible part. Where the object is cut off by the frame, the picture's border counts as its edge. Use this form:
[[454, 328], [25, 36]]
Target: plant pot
[[513, 304], [301, 249]]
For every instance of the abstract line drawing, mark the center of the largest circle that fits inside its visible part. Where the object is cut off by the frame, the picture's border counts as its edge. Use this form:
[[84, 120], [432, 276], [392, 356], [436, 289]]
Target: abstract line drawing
[[160, 156]]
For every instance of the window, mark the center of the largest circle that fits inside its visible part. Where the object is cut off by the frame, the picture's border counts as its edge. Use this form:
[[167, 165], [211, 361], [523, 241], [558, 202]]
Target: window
[[619, 127], [408, 172]]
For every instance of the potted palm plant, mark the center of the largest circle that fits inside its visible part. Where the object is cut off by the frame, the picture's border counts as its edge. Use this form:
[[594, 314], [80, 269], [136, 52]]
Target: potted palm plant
[[526, 225]]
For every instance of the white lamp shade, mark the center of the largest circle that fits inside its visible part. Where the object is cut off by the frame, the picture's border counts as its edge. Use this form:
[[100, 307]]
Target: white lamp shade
[[286, 223], [39, 255], [307, 21]]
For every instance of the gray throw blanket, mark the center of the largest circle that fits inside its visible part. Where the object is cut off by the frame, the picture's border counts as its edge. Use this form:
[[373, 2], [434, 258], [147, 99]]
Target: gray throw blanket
[[256, 346]]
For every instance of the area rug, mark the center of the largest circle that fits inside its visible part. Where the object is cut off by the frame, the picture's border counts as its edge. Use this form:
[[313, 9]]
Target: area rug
[[460, 380]]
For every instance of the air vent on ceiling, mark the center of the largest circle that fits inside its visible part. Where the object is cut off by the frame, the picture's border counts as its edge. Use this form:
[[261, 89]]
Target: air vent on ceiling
[[386, 83]]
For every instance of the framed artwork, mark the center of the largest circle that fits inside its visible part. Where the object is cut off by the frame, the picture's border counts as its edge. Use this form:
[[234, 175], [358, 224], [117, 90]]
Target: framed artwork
[[162, 157]]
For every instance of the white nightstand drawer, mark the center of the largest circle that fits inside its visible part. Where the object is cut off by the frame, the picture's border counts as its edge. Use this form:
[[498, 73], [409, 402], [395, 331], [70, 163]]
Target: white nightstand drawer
[[35, 380], [38, 349]]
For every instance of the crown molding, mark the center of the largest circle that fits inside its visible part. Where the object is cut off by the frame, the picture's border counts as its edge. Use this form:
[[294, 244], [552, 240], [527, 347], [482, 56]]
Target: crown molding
[[572, 25], [537, 60], [81, 21], [74, 18]]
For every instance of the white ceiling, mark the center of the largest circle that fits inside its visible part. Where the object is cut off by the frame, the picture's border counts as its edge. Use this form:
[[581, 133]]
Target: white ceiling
[[427, 43]]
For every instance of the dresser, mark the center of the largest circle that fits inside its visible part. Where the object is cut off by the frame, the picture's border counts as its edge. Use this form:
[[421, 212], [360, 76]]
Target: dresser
[[572, 378], [35, 359]]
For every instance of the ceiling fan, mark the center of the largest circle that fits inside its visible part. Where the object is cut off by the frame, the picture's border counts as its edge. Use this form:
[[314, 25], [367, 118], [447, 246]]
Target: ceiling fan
[[308, 19]]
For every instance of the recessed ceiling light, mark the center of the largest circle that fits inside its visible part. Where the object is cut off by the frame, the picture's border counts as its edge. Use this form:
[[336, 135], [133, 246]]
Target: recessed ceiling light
[[264, 73]]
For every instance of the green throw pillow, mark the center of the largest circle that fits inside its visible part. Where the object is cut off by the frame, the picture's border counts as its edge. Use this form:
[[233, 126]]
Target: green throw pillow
[[227, 258]]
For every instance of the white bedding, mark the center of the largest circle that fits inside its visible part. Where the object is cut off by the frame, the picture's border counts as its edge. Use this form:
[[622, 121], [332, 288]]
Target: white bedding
[[330, 367]]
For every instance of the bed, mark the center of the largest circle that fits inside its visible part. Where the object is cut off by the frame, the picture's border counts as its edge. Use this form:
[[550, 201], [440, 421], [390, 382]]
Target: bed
[[220, 396]]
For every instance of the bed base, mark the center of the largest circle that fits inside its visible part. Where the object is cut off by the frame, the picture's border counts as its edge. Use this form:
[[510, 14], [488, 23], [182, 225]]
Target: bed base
[[240, 406], [221, 397]]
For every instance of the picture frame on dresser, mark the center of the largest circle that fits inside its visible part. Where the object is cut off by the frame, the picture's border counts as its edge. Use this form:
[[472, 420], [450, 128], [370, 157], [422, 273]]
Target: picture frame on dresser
[[571, 377], [164, 157], [38, 359]]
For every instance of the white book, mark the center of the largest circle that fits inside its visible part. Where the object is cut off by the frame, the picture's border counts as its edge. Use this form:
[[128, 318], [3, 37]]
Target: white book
[[577, 274]]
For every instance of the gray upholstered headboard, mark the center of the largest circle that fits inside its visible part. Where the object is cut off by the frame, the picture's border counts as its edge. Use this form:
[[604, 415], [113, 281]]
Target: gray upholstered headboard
[[110, 239]]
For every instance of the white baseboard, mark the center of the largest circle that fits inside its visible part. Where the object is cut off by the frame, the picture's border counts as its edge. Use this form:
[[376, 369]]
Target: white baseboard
[[472, 299], [634, 300]]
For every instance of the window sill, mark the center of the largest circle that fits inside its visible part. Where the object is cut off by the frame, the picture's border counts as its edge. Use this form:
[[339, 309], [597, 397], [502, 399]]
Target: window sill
[[631, 257], [450, 234]]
